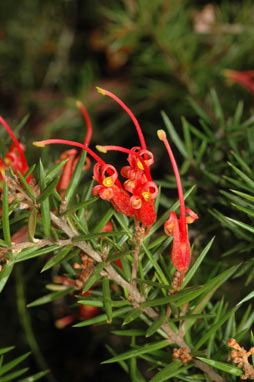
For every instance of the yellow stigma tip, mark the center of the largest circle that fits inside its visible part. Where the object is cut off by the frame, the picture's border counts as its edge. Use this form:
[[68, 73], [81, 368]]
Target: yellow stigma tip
[[100, 90], [78, 104], [38, 144], [101, 149], [161, 134]]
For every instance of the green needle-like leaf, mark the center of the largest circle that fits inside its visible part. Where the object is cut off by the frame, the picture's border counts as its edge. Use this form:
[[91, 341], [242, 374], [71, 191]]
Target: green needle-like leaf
[[5, 273], [32, 224], [230, 369], [243, 176], [75, 177], [34, 377], [6, 350], [94, 277], [5, 215], [103, 317], [132, 316], [48, 190], [147, 348], [155, 326], [10, 365], [50, 297], [26, 186], [173, 134], [57, 258], [171, 370], [107, 298], [45, 207], [245, 226]]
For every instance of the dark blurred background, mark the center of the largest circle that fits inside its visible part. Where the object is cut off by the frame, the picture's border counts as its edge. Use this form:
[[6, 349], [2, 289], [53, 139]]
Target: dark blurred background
[[155, 55]]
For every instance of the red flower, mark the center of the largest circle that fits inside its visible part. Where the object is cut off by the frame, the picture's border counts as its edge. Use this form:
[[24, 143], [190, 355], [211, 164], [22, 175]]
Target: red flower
[[108, 190], [245, 78], [15, 157], [137, 196], [180, 253]]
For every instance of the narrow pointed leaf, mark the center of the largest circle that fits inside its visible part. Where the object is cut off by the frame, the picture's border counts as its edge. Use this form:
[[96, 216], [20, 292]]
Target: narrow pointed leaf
[[243, 195], [14, 375], [56, 259], [5, 273], [53, 172], [30, 171], [103, 317], [83, 204], [103, 221], [92, 236], [230, 369], [133, 315], [32, 224], [245, 226], [129, 332], [169, 371], [75, 177], [217, 107], [96, 275], [107, 298], [246, 298], [6, 350], [200, 111], [34, 377], [155, 326], [48, 190], [50, 297], [173, 134], [123, 364], [147, 348], [26, 186], [10, 365], [214, 328], [29, 253], [243, 176], [45, 207], [197, 263], [241, 162], [5, 216]]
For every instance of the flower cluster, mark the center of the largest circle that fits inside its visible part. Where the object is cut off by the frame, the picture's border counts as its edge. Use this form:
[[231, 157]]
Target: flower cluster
[[14, 158], [136, 196]]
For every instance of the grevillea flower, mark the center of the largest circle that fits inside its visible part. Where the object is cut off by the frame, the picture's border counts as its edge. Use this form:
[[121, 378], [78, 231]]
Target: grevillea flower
[[139, 181], [136, 196], [15, 157], [108, 190], [181, 252], [245, 78], [109, 185]]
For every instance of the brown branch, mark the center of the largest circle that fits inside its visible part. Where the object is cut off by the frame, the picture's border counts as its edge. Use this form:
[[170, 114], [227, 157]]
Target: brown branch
[[132, 290]]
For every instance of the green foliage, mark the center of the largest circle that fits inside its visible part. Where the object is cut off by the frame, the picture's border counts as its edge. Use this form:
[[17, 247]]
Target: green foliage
[[8, 372], [122, 287]]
